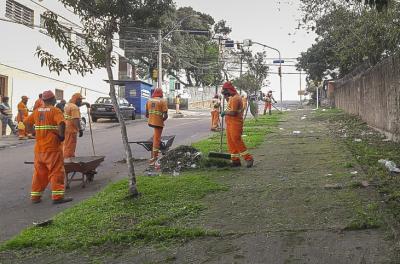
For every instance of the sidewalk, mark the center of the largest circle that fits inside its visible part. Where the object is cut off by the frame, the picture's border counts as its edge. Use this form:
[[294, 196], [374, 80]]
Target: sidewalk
[[12, 141], [283, 210], [302, 202]]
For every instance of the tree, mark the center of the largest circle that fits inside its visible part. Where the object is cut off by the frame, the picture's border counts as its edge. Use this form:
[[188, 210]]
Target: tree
[[101, 20], [350, 38]]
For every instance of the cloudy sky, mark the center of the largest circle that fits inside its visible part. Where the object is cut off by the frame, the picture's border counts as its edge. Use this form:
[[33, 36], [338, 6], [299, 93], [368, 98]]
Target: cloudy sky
[[271, 22]]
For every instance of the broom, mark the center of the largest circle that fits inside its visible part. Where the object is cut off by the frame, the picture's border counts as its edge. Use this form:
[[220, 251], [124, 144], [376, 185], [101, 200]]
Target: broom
[[220, 154]]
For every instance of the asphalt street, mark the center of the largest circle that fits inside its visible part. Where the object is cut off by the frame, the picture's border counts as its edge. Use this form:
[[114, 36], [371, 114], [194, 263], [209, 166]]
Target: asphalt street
[[16, 211]]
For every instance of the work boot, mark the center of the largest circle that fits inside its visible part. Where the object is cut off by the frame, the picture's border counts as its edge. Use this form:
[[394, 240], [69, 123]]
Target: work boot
[[63, 200], [249, 163], [235, 164]]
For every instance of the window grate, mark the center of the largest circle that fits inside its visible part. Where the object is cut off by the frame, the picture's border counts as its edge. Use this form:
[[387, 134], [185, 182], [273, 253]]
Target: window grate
[[19, 13]]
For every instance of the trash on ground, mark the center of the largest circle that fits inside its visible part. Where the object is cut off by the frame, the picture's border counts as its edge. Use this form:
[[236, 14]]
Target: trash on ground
[[281, 128], [244, 135], [354, 172], [358, 140], [296, 132], [303, 117], [323, 110], [179, 159], [386, 140], [365, 184], [329, 174], [390, 165], [336, 186], [43, 223]]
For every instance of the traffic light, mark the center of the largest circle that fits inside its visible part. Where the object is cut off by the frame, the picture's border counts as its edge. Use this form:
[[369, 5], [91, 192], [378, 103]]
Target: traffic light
[[280, 71], [154, 74]]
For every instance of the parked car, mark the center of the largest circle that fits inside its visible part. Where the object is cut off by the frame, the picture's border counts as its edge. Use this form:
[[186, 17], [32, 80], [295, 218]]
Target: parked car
[[103, 108]]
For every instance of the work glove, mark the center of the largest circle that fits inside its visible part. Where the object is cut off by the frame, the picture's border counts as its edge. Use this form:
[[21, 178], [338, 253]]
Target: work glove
[[61, 138], [80, 133], [223, 114], [21, 126]]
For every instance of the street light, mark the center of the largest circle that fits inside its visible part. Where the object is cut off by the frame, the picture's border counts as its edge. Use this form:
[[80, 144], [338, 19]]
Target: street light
[[249, 42], [161, 38]]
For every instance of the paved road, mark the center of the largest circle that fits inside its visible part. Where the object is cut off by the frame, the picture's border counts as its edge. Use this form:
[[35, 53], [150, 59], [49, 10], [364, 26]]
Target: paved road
[[16, 211]]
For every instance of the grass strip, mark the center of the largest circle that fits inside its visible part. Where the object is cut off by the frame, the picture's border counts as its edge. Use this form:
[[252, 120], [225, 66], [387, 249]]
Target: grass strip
[[110, 217]]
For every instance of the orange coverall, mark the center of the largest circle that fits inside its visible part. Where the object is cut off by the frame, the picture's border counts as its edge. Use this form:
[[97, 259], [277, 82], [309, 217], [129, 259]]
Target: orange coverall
[[215, 115], [155, 110], [71, 114], [48, 161], [22, 115], [234, 130], [38, 103]]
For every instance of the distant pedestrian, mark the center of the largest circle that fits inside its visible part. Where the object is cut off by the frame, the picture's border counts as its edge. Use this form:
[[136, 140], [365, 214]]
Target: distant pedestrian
[[216, 109], [61, 105], [177, 103], [6, 116], [269, 98], [23, 113]]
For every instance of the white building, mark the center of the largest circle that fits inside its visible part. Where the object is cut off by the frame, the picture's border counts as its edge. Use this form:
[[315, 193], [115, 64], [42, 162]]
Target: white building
[[20, 70]]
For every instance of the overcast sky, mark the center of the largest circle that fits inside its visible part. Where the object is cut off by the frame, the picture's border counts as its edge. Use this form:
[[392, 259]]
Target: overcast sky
[[271, 22]]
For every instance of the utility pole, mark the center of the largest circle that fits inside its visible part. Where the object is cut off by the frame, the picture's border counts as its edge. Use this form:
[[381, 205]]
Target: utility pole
[[159, 76], [241, 70], [301, 102]]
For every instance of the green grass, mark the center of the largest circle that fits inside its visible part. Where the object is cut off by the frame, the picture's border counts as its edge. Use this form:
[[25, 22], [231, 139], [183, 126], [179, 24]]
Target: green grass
[[254, 133], [160, 214], [111, 217], [368, 152]]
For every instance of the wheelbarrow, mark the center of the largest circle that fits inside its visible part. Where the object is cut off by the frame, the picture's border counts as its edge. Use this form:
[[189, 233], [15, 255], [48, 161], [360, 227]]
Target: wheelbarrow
[[86, 166], [166, 143]]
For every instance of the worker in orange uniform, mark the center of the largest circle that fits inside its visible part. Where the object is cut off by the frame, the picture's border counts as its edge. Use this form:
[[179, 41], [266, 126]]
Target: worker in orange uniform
[[73, 127], [244, 102], [38, 103], [268, 103], [23, 132], [157, 113], [216, 108], [234, 126], [48, 162]]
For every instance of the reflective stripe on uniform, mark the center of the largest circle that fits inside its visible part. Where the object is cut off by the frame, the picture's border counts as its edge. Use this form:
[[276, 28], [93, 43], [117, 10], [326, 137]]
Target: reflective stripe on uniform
[[235, 155], [156, 149], [244, 153], [155, 112], [36, 194], [68, 117], [57, 192], [46, 127]]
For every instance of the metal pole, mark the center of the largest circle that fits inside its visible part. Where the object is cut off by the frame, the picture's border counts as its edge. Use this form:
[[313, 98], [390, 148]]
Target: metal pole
[[301, 102], [280, 77], [317, 97], [159, 76], [241, 71]]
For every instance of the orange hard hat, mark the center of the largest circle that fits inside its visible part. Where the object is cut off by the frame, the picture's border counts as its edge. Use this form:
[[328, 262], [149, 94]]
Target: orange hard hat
[[24, 97]]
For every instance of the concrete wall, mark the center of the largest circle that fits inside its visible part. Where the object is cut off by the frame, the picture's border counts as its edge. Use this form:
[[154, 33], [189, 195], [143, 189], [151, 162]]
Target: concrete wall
[[374, 95]]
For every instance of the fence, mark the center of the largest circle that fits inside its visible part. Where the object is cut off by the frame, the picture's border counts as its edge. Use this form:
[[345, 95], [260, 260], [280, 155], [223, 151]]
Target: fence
[[374, 95]]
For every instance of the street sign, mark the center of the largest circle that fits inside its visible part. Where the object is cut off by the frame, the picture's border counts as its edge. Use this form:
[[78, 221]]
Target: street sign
[[247, 42], [279, 61], [301, 92], [229, 44]]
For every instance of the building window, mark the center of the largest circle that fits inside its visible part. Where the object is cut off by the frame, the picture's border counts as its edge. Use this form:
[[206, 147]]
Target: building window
[[59, 94], [19, 13]]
